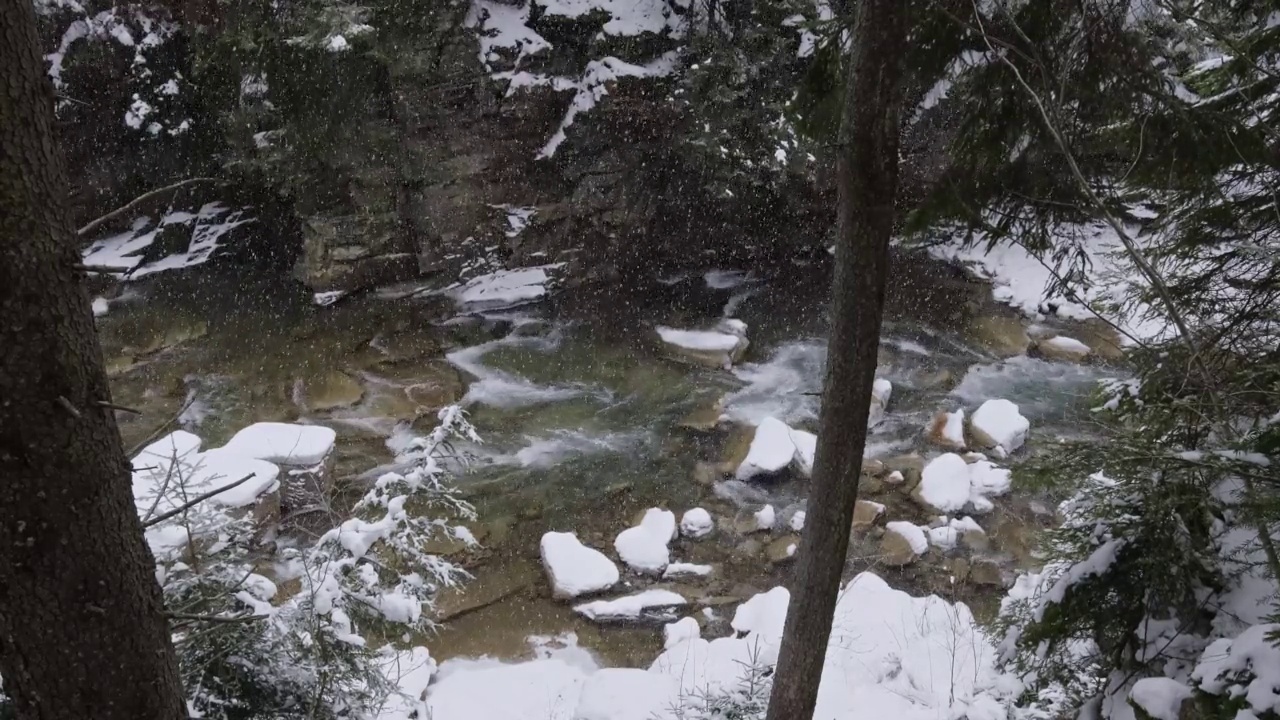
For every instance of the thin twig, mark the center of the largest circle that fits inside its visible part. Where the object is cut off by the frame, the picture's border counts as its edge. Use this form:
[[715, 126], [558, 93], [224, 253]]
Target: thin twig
[[196, 501], [121, 408], [162, 427], [65, 404], [99, 222], [246, 617]]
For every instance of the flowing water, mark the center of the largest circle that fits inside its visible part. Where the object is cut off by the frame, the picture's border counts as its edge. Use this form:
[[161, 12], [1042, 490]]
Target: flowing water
[[583, 419]]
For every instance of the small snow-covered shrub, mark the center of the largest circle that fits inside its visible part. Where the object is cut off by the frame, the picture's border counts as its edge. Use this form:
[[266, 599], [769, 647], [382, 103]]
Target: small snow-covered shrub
[[300, 643]]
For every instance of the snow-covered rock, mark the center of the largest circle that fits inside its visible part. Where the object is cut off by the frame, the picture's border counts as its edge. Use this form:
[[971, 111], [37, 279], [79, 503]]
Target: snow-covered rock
[[100, 306], [284, 443], [678, 570], [902, 544], [1063, 348], [865, 514], [720, 347], [776, 446], [998, 425], [1160, 697], [644, 547], [797, 521], [881, 391], [504, 288], [696, 523], [944, 483], [944, 537], [682, 630], [573, 568], [765, 518], [630, 607], [946, 430], [949, 484]]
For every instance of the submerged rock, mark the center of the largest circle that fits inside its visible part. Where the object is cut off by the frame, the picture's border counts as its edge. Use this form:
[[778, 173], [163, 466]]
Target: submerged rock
[[331, 391], [1002, 335]]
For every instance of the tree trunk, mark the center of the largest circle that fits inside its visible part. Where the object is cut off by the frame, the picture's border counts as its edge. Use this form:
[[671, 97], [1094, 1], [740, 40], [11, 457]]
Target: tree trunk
[[868, 179], [82, 632]]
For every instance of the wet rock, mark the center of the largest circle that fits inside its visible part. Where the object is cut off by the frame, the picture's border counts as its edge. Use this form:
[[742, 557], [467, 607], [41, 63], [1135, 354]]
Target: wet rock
[[1062, 349], [182, 330], [865, 514], [331, 390], [873, 467], [399, 347], [705, 473], [747, 550], [894, 478], [1001, 335], [704, 418], [736, 447], [941, 379], [986, 572], [782, 549], [910, 465]]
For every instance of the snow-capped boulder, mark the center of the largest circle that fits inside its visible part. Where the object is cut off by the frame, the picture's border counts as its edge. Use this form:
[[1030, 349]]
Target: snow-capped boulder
[[946, 430], [1061, 347], [284, 443], [630, 607], [644, 547], [998, 425], [696, 523], [719, 347], [903, 543], [573, 568], [775, 447]]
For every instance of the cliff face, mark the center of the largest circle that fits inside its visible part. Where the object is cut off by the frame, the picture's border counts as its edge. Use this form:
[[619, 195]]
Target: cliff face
[[405, 137]]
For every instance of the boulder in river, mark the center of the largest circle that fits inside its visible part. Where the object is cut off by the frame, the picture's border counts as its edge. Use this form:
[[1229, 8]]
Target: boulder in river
[[644, 547], [865, 515], [719, 347], [573, 568], [997, 425], [946, 430], [1062, 348]]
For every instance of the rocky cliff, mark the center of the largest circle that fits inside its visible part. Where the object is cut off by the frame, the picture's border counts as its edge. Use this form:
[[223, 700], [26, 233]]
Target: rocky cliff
[[398, 138]]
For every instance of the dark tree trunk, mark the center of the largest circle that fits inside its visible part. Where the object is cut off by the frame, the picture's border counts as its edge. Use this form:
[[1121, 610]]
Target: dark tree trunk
[[868, 180], [82, 630]]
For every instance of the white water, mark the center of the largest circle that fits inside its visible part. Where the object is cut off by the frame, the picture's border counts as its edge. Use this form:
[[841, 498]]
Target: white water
[[504, 390]]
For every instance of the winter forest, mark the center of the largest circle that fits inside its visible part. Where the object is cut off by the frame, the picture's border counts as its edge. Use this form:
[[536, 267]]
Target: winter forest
[[640, 359]]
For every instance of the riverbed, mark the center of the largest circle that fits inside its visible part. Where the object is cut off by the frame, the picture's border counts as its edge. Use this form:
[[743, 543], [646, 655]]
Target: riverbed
[[586, 422]]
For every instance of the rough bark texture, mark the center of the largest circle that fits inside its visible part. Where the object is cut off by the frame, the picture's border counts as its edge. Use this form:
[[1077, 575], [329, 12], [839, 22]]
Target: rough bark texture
[[868, 180], [82, 630]]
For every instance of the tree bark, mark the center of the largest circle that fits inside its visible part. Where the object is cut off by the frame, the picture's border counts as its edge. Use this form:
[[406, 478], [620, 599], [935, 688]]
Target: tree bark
[[82, 632], [868, 180]]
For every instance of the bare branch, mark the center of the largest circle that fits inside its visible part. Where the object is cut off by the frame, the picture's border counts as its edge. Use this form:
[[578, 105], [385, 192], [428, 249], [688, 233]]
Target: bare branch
[[161, 427], [99, 222], [121, 408], [195, 501]]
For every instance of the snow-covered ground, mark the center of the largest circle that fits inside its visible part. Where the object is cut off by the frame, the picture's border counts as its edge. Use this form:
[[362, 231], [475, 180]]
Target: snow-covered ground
[[890, 656]]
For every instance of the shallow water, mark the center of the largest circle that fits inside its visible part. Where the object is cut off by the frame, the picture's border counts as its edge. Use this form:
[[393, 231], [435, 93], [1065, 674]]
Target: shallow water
[[579, 411]]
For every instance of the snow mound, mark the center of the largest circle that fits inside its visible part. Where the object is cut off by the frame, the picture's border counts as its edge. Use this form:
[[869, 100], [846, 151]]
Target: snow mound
[[644, 547], [680, 631], [284, 443], [944, 537], [629, 607], [946, 429], [696, 523], [998, 425], [625, 694], [573, 568]]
